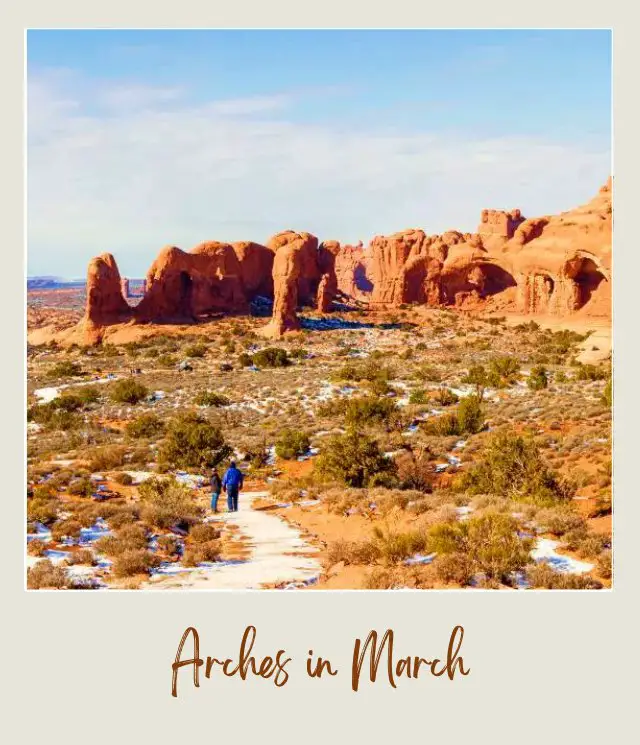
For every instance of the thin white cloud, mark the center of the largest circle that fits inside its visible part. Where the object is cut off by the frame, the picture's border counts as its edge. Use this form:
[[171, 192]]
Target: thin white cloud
[[129, 169]]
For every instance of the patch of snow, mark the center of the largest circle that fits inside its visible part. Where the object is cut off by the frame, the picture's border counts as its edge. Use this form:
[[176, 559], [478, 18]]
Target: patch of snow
[[545, 550], [419, 559], [278, 556]]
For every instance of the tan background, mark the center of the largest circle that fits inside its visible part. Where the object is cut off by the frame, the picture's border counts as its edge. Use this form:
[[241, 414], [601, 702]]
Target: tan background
[[96, 668]]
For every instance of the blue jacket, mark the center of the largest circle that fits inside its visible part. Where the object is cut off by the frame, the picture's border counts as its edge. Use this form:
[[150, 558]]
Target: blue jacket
[[233, 478]]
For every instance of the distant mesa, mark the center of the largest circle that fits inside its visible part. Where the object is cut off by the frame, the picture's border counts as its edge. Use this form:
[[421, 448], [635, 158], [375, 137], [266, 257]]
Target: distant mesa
[[551, 265]]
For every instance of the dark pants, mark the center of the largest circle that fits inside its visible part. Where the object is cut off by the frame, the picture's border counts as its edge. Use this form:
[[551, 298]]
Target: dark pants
[[214, 500], [232, 499]]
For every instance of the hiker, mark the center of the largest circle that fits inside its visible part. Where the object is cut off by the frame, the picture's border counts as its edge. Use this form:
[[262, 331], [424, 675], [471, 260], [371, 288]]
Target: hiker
[[232, 483], [216, 488]]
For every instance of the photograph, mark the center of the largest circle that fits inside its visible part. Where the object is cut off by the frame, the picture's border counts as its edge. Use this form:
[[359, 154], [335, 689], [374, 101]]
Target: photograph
[[318, 309]]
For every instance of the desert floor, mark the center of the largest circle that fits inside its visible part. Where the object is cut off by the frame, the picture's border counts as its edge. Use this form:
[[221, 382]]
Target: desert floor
[[429, 508]]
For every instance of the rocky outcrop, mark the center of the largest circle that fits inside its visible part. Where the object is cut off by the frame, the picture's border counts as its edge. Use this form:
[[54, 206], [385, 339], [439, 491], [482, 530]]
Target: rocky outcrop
[[305, 247], [287, 265], [256, 268], [105, 304], [499, 222], [558, 264], [183, 287], [405, 267], [562, 263]]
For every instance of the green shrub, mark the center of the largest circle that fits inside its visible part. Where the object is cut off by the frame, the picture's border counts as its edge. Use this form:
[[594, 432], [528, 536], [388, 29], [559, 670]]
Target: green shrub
[[82, 487], [65, 369], [607, 395], [291, 444], [419, 396], [504, 368], [271, 357], [468, 418], [477, 376], [369, 410], [43, 510], [470, 415], [146, 425], [591, 372], [369, 371], [195, 350], [395, 546], [537, 379], [191, 442], [490, 542], [512, 466], [128, 391], [354, 459], [167, 360], [55, 417], [209, 398], [245, 360]]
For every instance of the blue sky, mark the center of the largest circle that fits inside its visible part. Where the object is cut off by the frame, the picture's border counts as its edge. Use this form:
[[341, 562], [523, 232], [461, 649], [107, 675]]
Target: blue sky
[[137, 139]]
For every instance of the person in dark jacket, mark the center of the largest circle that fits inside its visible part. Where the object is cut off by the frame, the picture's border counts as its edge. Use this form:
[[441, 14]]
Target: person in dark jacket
[[216, 488], [232, 483]]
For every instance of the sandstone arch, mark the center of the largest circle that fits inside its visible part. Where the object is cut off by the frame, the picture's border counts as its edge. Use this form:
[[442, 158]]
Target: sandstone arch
[[588, 279], [482, 279]]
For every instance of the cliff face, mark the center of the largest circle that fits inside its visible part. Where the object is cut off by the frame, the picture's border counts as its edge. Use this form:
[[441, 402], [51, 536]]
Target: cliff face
[[558, 264]]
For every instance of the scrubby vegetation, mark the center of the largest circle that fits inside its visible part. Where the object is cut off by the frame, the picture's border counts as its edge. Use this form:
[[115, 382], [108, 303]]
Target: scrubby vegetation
[[444, 448], [192, 442], [291, 444]]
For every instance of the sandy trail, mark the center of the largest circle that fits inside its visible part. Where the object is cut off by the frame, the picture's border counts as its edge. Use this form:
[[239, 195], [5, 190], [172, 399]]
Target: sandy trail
[[279, 555]]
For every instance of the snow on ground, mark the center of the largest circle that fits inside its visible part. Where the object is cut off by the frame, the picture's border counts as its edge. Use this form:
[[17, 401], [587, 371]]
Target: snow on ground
[[420, 559], [46, 395], [545, 550], [278, 556]]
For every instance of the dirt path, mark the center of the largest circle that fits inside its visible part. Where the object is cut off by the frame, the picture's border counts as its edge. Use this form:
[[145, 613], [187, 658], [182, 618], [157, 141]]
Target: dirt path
[[278, 555]]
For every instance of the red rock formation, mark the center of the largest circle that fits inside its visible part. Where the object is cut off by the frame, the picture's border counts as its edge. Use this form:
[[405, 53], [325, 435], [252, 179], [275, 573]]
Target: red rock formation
[[327, 290], [405, 267], [182, 287], [499, 222], [286, 276], [256, 267], [105, 304], [557, 264], [562, 263], [306, 247], [328, 286], [351, 267]]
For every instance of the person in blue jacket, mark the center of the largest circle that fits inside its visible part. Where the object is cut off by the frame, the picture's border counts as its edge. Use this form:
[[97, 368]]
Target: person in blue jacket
[[232, 483]]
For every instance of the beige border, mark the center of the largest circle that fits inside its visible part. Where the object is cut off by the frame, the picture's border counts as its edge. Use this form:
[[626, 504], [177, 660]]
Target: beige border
[[96, 667]]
